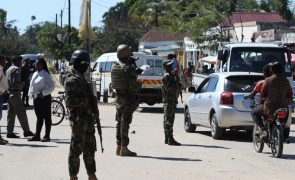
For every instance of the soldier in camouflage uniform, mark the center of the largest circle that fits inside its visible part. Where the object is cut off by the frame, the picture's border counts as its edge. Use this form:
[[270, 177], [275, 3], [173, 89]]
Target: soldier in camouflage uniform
[[170, 91], [79, 99], [124, 81]]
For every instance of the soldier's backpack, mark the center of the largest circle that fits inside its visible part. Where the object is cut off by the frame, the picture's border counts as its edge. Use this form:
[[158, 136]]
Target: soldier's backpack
[[118, 77]]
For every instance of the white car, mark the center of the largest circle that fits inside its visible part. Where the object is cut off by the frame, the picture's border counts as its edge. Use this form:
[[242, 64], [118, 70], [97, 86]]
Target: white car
[[218, 103]]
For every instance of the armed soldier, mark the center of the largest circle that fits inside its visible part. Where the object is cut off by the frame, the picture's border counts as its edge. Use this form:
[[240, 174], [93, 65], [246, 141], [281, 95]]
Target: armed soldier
[[124, 81], [170, 91], [79, 100]]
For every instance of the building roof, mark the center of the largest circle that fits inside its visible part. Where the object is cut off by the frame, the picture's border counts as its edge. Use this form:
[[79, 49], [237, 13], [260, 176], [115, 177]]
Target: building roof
[[258, 17], [160, 35]]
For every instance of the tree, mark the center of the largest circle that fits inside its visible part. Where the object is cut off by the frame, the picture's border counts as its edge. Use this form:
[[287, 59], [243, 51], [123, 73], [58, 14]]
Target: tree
[[9, 35], [281, 6], [119, 28]]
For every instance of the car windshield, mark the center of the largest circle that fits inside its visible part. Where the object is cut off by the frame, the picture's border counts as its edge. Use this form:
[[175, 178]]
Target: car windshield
[[244, 84], [253, 59]]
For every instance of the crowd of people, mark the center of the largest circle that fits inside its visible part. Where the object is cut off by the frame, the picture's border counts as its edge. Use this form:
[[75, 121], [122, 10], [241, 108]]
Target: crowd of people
[[16, 86]]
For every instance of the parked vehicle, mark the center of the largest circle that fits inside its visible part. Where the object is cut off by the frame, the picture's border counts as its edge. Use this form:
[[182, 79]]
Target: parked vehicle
[[151, 78], [218, 103], [249, 57]]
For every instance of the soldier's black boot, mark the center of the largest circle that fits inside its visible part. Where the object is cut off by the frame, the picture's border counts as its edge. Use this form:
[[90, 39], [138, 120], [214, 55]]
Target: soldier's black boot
[[172, 142], [126, 152], [166, 138]]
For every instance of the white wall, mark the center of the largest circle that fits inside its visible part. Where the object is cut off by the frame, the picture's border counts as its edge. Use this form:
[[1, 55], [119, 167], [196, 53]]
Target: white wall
[[247, 29]]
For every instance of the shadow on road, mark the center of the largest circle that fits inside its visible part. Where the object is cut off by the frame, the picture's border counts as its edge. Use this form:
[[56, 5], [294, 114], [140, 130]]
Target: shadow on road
[[169, 158], [292, 139], [289, 156], [158, 110], [205, 146], [61, 141], [240, 136], [30, 145]]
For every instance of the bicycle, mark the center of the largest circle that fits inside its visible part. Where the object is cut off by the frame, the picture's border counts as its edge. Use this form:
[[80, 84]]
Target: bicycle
[[58, 110]]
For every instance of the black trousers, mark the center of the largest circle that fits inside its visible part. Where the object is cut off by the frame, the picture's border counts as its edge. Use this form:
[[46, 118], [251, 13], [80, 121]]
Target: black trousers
[[257, 114], [42, 107]]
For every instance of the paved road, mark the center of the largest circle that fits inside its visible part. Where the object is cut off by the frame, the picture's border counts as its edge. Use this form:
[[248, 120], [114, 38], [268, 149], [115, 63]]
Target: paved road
[[200, 157]]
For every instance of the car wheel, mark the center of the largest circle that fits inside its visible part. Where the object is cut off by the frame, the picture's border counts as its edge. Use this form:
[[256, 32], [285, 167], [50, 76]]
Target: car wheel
[[216, 131], [188, 126]]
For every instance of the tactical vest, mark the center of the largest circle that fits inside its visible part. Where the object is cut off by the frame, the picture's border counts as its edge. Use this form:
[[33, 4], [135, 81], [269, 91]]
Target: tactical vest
[[119, 78]]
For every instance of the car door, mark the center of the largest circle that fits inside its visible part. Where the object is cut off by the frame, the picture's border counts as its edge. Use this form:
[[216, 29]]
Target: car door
[[206, 100], [196, 103]]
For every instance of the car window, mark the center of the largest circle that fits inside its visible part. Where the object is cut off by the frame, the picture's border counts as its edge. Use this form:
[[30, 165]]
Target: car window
[[212, 84], [203, 86], [243, 84], [105, 66]]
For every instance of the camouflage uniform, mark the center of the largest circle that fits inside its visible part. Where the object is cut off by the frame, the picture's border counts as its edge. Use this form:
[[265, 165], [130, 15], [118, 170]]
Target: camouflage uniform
[[170, 91], [79, 100], [126, 101]]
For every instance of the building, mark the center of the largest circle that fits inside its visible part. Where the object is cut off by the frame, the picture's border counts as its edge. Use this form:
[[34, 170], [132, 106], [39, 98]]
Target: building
[[242, 25], [162, 43]]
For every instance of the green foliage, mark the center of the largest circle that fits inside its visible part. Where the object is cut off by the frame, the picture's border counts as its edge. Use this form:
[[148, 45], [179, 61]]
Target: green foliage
[[119, 28]]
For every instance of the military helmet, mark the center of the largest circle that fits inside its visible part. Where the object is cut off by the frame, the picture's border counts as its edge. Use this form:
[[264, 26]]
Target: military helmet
[[167, 63], [123, 51], [80, 54]]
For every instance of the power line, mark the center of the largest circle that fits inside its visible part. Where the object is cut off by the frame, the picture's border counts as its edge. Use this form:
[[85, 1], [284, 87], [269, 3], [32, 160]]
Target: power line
[[99, 4]]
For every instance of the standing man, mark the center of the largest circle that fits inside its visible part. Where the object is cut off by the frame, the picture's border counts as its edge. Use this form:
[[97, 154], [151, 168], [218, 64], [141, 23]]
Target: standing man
[[15, 105], [170, 91], [124, 81], [3, 89], [25, 69], [80, 101]]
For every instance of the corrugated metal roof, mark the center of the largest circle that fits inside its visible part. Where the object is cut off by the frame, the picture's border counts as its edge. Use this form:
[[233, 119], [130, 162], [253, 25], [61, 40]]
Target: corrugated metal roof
[[259, 17], [160, 35]]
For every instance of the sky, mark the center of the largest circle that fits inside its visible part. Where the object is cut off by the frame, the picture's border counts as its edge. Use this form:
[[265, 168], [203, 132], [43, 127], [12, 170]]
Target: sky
[[45, 10]]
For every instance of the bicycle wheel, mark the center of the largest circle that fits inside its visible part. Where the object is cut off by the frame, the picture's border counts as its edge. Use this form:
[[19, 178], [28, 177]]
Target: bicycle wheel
[[57, 112], [277, 142], [257, 141]]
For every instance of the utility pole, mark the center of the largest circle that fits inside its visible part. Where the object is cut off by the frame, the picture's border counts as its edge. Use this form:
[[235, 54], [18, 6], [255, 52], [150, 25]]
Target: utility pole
[[56, 20], [69, 28], [61, 14]]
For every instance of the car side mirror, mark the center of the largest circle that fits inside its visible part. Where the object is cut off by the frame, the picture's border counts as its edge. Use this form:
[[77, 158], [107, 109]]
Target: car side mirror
[[100, 69], [192, 89]]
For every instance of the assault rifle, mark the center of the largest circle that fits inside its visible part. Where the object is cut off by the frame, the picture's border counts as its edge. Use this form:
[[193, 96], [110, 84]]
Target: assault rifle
[[96, 117]]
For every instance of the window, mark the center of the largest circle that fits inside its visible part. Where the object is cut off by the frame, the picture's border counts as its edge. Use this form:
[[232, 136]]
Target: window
[[255, 58], [243, 84], [203, 86], [212, 84], [106, 66]]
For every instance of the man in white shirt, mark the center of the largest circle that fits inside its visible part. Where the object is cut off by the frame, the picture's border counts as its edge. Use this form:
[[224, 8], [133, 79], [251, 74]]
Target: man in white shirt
[[3, 89]]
